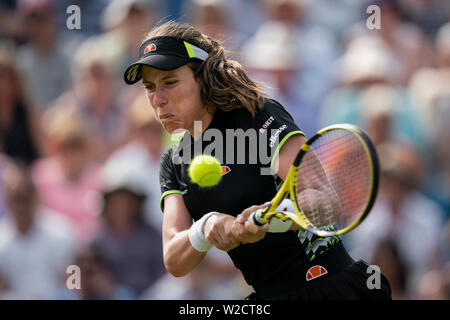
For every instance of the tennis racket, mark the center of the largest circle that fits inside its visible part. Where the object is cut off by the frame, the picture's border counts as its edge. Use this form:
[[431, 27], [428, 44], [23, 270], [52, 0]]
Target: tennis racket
[[332, 183]]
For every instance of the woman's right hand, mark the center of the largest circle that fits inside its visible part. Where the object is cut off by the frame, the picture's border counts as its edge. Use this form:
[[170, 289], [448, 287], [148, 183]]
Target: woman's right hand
[[218, 231], [246, 231]]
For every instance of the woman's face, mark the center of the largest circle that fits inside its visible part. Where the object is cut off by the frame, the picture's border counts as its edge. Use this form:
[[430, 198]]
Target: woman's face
[[175, 98]]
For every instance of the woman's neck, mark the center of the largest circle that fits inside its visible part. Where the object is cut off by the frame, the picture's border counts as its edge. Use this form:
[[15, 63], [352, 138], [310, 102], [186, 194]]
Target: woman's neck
[[201, 125]]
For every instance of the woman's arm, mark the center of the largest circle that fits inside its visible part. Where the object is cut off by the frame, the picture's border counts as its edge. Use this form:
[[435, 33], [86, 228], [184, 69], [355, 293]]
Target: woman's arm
[[287, 155], [180, 257], [249, 232]]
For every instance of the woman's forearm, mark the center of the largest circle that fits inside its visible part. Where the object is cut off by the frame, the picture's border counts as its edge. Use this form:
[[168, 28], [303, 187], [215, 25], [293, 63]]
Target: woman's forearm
[[180, 257]]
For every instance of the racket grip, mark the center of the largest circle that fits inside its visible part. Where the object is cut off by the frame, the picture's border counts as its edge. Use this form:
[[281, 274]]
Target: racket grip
[[255, 217]]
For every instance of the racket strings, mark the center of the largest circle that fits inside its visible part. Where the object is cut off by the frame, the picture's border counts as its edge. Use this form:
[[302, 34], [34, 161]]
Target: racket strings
[[334, 181]]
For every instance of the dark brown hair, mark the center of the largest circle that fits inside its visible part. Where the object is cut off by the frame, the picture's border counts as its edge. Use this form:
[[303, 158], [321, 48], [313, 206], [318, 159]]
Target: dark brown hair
[[224, 83]]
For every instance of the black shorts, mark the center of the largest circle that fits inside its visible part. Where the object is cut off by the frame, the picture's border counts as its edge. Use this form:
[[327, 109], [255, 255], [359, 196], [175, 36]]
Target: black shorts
[[345, 279]]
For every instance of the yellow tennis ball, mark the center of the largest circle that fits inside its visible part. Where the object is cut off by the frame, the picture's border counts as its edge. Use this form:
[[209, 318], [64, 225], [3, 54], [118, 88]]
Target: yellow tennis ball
[[205, 170]]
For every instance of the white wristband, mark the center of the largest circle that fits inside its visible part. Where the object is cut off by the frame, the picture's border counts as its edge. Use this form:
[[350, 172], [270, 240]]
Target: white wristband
[[196, 235], [277, 225]]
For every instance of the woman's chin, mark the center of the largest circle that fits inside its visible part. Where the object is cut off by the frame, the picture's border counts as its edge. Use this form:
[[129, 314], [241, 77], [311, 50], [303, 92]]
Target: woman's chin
[[172, 128]]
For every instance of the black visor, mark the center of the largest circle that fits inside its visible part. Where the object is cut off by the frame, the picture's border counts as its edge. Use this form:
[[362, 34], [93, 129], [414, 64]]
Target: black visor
[[163, 53]]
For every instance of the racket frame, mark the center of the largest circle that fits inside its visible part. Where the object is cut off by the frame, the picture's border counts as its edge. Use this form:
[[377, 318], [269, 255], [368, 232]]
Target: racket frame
[[289, 187]]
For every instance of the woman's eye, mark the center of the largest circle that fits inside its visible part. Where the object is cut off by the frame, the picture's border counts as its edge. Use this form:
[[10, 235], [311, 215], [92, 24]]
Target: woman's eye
[[169, 83], [150, 88]]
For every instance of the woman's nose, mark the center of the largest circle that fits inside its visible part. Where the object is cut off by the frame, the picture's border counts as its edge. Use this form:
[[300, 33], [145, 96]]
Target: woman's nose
[[159, 99]]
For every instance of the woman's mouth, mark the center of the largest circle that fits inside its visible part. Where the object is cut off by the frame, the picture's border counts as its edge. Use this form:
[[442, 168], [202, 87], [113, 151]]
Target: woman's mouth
[[166, 117]]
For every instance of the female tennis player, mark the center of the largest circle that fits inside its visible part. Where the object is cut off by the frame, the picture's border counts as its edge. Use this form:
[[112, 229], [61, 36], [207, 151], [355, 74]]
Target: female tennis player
[[189, 80]]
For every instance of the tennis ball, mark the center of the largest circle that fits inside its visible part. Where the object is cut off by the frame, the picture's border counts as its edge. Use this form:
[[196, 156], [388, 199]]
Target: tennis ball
[[205, 170]]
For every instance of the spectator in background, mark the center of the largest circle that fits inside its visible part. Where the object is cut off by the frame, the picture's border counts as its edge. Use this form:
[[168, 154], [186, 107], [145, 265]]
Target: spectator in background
[[90, 11], [317, 49], [221, 19], [402, 213], [18, 125], [430, 84], [444, 250], [435, 285], [68, 179], [294, 57], [212, 18], [10, 26], [289, 12], [45, 67], [431, 90], [442, 47], [95, 95], [387, 115], [427, 15], [406, 42], [276, 63], [96, 282], [3, 162], [124, 23], [336, 15], [391, 263], [444, 254], [378, 114], [368, 81], [132, 248], [437, 183], [144, 150], [216, 278], [35, 247], [70, 34]]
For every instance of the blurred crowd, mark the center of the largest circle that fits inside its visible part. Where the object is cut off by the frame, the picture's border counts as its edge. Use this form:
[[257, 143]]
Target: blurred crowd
[[80, 150]]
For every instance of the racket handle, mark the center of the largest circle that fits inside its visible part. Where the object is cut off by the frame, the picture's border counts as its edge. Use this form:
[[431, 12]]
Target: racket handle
[[255, 217]]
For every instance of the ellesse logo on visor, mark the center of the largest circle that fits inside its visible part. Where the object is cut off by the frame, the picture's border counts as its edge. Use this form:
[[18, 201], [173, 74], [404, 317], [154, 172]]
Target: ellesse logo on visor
[[150, 47]]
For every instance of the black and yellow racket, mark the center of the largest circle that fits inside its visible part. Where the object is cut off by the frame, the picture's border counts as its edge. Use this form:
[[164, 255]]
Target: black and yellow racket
[[332, 183]]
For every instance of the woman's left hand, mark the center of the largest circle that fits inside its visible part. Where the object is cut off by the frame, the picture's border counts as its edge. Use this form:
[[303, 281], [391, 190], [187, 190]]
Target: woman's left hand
[[217, 231]]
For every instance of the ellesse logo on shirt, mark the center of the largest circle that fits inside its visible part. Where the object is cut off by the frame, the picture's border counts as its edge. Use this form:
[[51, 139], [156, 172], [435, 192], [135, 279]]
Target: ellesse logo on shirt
[[225, 170], [315, 272]]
